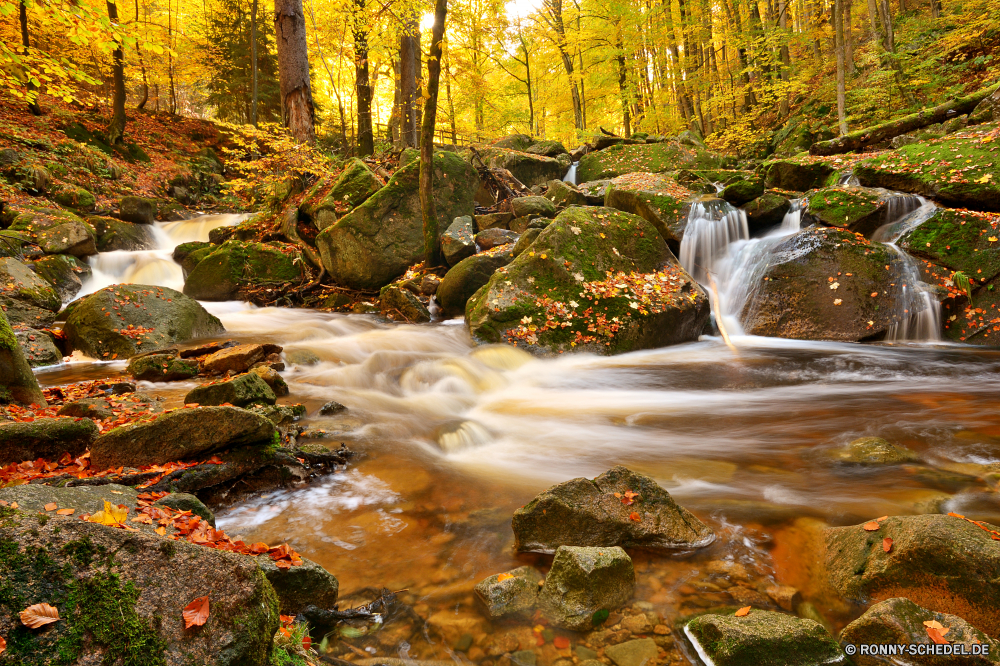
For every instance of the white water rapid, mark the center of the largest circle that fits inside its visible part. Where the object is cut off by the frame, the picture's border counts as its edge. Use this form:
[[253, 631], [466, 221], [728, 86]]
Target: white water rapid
[[571, 174]]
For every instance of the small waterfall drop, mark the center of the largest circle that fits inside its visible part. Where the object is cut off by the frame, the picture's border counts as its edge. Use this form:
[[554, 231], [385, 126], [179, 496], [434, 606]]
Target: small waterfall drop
[[918, 313], [571, 174], [712, 226], [903, 219]]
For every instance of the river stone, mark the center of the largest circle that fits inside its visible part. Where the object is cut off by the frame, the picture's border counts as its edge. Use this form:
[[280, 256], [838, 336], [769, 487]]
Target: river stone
[[38, 348], [457, 242], [47, 438], [515, 594], [547, 148], [742, 191], [532, 207], [525, 241], [762, 638], [583, 581], [65, 273], [272, 379], [561, 193], [658, 199], [19, 285], [236, 265], [766, 211], [17, 381], [795, 297], [638, 652], [797, 175], [380, 239], [355, 184], [179, 435], [586, 512], [99, 324], [492, 238], [97, 409], [876, 451], [900, 622], [643, 158], [161, 368], [123, 592], [74, 238], [241, 391], [957, 240], [236, 359], [937, 561], [114, 235], [492, 221], [187, 502], [528, 169], [401, 302], [565, 277], [469, 275], [137, 209], [301, 586], [514, 142]]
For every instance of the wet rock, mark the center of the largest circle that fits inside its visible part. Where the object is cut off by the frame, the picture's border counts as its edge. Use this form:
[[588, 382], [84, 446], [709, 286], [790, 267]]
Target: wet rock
[[161, 368], [525, 241], [85, 499], [568, 264], [936, 561], [241, 391], [587, 512], [659, 200], [532, 207], [236, 359], [452, 625], [562, 193], [380, 239], [189, 255], [766, 211], [876, 451], [762, 637], [900, 622], [638, 652], [301, 586], [819, 285], [400, 303], [645, 158], [236, 265], [492, 221], [272, 378], [468, 276], [65, 273], [137, 209], [583, 581], [528, 169], [22, 294], [180, 435], [114, 235], [742, 191], [127, 319], [123, 592], [491, 238], [957, 240], [429, 284], [859, 209], [331, 408], [457, 242], [73, 238], [17, 381], [45, 438], [301, 357], [187, 502], [797, 175], [97, 409], [787, 597], [511, 593], [38, 348]]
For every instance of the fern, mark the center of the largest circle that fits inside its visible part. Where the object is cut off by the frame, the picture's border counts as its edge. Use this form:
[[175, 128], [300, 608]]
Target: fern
[[963, 282]]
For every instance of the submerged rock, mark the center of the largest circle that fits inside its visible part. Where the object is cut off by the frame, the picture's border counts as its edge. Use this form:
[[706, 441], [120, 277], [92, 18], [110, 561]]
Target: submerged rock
[[762, 638], [937, 561], [637, 652], [583, 581], [47, 438], [127, 319], [603, 511], [876, 451], [512, 593], [241, 391]]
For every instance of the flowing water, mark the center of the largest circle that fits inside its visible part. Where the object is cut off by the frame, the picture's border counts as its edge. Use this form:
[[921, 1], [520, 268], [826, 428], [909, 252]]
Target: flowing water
[[570, 176], [452, 438]]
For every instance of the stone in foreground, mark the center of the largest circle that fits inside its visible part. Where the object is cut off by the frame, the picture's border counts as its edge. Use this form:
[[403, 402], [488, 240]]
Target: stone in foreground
[[511, 593], [301, 586], [638, 652], [457, 242], [17, 381], [940, 562], [179, 435], [583, 581], [241, 391], [900, 621], [762, 638], [45, 438], [602, 511]]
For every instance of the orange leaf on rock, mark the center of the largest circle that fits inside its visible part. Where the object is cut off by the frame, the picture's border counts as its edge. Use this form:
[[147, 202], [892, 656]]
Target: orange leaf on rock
[[51, 506], [887, 544], [39, 615], [66, 512], [743, 612], [196, 613], [937, 635], [871, 526], [504, 576], [561, 642], [881, 518], [634, 516], [3, 645], [161, 530]]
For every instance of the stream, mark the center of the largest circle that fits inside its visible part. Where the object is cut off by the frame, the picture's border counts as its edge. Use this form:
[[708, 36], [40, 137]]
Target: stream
[[454, 437]]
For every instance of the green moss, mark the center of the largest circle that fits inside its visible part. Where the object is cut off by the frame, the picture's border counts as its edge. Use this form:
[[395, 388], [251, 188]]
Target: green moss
[[842, 207], [958, 240], [82, 551], [650, 158], [168, 549], [42, 519], [260, 619]]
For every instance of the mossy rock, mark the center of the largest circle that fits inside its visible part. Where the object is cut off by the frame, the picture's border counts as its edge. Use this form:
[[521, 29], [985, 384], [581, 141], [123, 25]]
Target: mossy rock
[[38, 348], [17, 381], [559, 296], [187, 502], [766, 211], [65, 273], [514, 142], [75, 238], [937, 561], [20, 283], [513, 593], [535, 206], [564, 194], [73, 196], [139, 210], [352, 188], [114, 235], [858, 209], [656, 198], [380, 239], [798, 174], [762, 638], [959, 240], [242, 390], [161, 368], [124, 320], [236, 265], [644, 158], [47, 438], [307, 584], [528, 168], [584, 581], [547, 148], [398, 302], [189, 255], [742, 191], [469, 275], [876, 451]]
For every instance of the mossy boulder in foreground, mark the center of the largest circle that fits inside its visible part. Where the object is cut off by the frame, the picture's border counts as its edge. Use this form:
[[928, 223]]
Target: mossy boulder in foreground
[[17, 381], [45, 438], [584, 581], [762, 638]]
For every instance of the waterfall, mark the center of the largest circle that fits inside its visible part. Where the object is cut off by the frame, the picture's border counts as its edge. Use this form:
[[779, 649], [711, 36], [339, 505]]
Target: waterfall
[[918, 313], [571, 174], [895, 227], [792, 221], [713, 224]]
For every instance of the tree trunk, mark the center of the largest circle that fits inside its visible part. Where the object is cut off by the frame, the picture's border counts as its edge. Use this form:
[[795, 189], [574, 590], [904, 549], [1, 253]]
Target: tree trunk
[[26, 42], [409, 69], [936, 8], [879, 133], [170, 60], [451, 105], [848, 38], [298, 113], [431, 242], [116, 128], [253, 58], [555, 20], [885, 14], [362, 85], [786, 60], [838, 29]]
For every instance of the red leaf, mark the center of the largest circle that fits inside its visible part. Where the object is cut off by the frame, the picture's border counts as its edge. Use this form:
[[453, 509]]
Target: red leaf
[[196, 613], [936, 636], [887, 544], [634, 516], [561, 642]]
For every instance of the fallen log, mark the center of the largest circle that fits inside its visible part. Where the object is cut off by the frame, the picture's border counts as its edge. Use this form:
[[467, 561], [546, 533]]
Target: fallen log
[[879, 133]]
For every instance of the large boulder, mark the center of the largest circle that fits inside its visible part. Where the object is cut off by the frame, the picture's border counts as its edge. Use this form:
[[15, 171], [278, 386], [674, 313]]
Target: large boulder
[[901, 624], [45, 438], [514, 142], [64, 272], [38, 348], [618, 508], [766, 211], [121, 595], [942, 562], [137, 209], [742, 191], [467, 276], [658, 199], [858, 209], [763, 638], [583, 581], [959, 240], [595, 279], [237, 358], [457, 241], [239, 264], [376, 242], [114, 235], [126, 319], [644, 158], [25, 297], [825, 284], [491, 238], [562, 193], [352, 188], [17, 381], [547, 148], [532, 207], [166, 367], [74, 238], [798, 174], [241, 391], [529, 169], [179, 435]]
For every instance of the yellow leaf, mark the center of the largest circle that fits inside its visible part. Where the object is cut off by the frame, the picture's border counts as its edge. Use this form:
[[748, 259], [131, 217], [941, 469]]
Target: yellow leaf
[[985, 179], [110, 515]]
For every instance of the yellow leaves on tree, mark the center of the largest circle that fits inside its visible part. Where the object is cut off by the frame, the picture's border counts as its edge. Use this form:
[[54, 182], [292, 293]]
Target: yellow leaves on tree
[[39, 615], [196, 613]]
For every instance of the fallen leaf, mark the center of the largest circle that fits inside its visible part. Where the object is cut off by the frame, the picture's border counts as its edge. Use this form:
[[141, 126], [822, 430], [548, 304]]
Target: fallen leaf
[[196, 613], [161, 530], [561, 642], [39, 615], [934, 624], [743, 612], [881, 518], [110, 515], [65, 512], [887, 544], [871, 526], [3, 645], [505, 576], [51, 506], [936, 635], [634, 516]]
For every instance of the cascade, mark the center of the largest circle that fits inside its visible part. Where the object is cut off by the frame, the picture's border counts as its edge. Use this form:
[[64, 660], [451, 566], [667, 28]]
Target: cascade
[[571, 174]]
